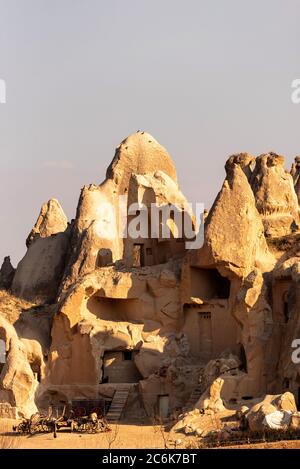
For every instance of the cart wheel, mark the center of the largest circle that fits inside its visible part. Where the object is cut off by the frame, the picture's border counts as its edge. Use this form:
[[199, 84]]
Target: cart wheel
[[20, 429], [89, 427], [74, 426], [81, 428]]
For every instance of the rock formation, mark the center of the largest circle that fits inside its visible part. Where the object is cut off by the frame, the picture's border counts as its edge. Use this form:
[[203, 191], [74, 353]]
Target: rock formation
[[51, 221], [295, 172], [234, 233], [7, 273], [39, 273], [275, 196], [280, 406], [94, 309]]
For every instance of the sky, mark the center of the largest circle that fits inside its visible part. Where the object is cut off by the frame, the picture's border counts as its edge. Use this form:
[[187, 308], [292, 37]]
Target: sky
[[207, 78]]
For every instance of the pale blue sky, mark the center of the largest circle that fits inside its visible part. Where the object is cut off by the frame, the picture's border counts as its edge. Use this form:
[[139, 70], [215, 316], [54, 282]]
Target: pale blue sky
[[205, 78]]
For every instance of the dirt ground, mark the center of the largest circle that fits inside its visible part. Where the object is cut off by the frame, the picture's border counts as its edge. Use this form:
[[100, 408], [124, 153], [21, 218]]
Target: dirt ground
[[274, 445], [121, 437]]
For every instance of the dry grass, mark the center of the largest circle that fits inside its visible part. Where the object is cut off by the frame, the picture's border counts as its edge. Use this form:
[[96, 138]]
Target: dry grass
[[283, 243], [11, 307], [112, 437], [159, 429]]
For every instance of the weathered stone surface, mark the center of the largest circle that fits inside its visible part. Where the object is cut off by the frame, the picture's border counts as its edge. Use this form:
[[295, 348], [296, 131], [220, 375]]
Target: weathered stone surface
[[139, 153], [39, 273], [141, 172], [275, 196], [295, 173], [7, 273], [269, 405], [244, 160], [207, 330], [211, 399], [99, 302], [51, 221], [234, 234], [17, 381]]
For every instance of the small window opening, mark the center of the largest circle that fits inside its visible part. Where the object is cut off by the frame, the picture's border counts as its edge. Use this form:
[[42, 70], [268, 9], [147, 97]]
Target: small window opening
[[138, 255], [286, 383], [127, 355], [233, 401], [286, 312]]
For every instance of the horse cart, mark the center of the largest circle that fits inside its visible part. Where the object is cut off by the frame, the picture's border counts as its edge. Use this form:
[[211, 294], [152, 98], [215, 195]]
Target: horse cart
[[38, 423]]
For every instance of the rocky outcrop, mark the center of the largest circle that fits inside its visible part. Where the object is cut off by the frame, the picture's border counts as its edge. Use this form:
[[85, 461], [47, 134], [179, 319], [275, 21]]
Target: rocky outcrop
[[139, 153], [234, 233], [7, 273], [51, 221], [38, 274], [141, 172], [17, 382], [211, 399], [252, 310], [113, 310], [281, 407], [295, 173], [275, 197], [209, 327], [244, 160]]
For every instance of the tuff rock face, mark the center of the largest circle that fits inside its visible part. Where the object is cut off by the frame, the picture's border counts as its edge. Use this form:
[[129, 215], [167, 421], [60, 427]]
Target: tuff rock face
[[234, 232], [207, 329], [51, 221], [139, 153], [275, 196], [284, 404], [7, 273], [295, 173], [39, 273]]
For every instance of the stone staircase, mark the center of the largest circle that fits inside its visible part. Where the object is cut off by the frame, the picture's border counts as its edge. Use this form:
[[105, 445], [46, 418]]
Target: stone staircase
[[118, 403], [194, 397]]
